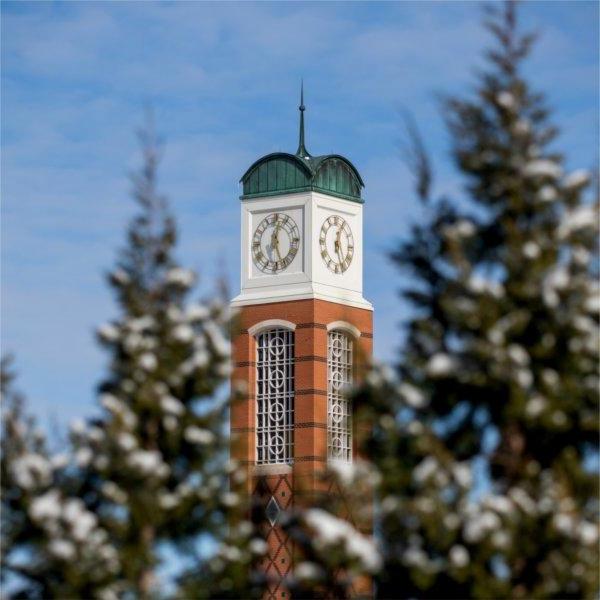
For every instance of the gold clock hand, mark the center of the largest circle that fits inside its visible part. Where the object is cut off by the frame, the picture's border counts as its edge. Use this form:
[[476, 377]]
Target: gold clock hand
[[338, 245], [275, 241]]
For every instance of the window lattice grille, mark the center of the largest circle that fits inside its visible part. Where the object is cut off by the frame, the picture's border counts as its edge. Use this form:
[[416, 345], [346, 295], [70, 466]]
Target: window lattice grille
[[275, 397], [339, 409]]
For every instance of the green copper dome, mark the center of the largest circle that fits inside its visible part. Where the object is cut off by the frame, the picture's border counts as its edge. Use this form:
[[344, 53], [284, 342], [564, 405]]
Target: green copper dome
[[280, 173]]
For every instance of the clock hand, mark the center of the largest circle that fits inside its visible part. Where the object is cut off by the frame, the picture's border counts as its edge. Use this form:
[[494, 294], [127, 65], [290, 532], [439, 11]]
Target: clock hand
[[275, 241], [338, 245], [275, 234]]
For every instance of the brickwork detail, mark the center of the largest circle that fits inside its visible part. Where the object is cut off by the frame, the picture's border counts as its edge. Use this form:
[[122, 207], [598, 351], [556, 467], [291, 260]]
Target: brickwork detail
[[278, 562], [301, 477]]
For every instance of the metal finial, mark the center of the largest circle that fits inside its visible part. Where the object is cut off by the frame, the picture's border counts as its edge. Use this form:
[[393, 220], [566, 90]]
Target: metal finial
[[302, 151]]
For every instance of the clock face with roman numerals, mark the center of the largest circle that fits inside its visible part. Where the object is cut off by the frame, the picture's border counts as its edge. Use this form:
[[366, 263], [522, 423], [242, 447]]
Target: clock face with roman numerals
[[275, 243], [337, 244]]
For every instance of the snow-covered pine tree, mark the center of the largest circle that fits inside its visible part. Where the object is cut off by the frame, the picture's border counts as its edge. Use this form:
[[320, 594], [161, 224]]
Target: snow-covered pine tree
[[492, 492], [52, 545], [152, 471], [486, 435], [233, 568], [156, 460]]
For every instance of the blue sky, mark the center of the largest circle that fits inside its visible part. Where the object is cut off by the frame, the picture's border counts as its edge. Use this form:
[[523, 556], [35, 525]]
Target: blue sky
[[223, 79]]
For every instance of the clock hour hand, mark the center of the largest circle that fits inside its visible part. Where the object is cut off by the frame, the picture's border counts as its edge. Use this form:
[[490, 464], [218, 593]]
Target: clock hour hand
[[338, 245]]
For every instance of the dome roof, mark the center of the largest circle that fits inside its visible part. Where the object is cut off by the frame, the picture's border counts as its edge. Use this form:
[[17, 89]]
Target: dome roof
[[280, 172]]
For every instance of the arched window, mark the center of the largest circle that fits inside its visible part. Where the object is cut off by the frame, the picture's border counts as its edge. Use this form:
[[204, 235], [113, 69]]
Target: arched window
[[275, 396], [339, 408]]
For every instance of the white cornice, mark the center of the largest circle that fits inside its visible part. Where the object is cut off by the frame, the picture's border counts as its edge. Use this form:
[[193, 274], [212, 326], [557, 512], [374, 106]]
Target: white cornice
[[248, 299]]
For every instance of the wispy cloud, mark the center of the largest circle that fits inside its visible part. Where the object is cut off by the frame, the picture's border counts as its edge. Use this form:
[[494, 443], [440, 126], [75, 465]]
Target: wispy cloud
[[223, 79]]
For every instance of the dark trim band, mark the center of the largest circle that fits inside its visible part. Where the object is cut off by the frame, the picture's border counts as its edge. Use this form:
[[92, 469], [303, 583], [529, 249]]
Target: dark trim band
[[307, 425], [311, 326], [311, 357], [308, 358], [311, 392]]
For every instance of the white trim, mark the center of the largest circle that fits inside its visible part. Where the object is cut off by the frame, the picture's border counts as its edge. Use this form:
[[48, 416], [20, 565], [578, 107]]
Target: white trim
[[344, 326], [298, 272], [307, 276], [270, 324], [247, 299], [272, 469]]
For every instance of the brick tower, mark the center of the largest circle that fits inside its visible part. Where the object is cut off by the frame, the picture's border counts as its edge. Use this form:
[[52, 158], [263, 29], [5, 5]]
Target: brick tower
[[303, 324]]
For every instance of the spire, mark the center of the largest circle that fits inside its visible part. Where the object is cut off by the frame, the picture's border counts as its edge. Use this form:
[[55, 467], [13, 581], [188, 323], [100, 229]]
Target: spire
[[302, 151]]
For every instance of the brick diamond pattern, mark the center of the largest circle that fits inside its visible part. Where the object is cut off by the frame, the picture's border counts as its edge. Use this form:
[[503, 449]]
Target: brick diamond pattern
[[278, 562], [272, 511]]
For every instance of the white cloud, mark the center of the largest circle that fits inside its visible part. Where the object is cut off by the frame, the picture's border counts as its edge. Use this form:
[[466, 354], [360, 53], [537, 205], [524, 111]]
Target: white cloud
[[223, 78]]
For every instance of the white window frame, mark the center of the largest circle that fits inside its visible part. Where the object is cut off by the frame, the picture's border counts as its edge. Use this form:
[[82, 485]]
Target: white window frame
[[275, 392], [340, 375]]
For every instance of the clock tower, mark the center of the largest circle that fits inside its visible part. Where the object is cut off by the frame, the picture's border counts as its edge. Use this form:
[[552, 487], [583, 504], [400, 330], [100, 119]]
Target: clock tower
[[304, 324]]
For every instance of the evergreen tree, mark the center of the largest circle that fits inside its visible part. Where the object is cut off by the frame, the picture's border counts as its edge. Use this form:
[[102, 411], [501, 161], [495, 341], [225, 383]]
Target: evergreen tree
[[486, 435], [500, 367], [152, 471], [156, 460], [52, 545]]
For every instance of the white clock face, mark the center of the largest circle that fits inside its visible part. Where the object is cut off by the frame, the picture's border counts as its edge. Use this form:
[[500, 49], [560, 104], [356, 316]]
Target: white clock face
[[275, 243], [337, 244]]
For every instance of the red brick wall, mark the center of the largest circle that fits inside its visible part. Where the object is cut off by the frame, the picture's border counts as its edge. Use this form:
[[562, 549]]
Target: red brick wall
[[311, 318]]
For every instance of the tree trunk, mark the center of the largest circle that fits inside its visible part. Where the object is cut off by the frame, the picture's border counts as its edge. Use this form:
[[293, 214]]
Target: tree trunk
[[146, 575]]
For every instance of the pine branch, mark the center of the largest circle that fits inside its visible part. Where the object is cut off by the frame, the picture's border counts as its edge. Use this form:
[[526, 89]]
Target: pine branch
[[416, 157]]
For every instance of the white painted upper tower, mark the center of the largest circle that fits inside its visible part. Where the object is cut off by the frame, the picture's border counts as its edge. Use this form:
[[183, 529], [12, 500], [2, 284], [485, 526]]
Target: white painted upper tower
[[302, 229]]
